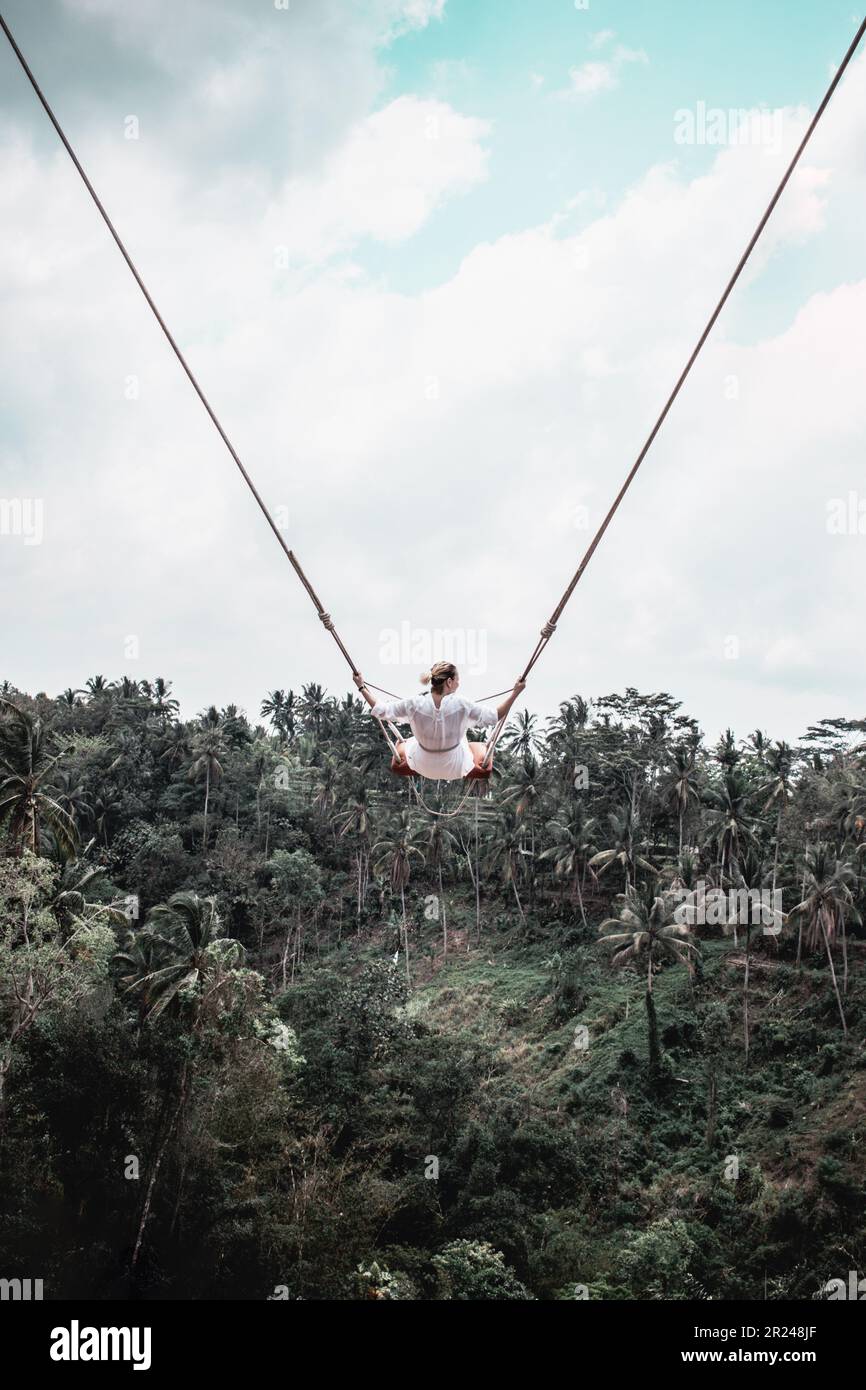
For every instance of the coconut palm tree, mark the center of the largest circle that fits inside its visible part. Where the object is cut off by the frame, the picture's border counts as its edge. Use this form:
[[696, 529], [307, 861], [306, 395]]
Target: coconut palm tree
[[827, 905], [524, 788], [179, 949], [648, 928], [573, 844], [105, 810], [71, 698], [726, 752], [441, 843], [98, 687], [315, 707], [758, 746], [730, 826], [24, 803], [175, 748], [163, 701], [779, 761], [208, 748], [71, 796], [622, 830], [396, 851], [356, 821], [69, 898], [681, 786], [506, 849], [524, 739], [281, 708]]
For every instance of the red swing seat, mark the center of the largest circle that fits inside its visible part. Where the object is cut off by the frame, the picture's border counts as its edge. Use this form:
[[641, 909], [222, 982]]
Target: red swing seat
[[401, 768]]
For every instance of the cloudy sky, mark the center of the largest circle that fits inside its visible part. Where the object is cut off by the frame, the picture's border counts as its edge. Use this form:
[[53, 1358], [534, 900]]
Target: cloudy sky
[[436, 263]]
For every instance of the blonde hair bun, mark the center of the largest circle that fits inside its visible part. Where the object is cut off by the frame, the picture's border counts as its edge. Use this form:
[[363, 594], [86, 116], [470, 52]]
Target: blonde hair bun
[[439, 673]]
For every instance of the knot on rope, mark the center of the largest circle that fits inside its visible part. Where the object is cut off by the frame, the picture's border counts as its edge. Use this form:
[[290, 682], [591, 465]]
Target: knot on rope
[[548, 630], [326, 619]]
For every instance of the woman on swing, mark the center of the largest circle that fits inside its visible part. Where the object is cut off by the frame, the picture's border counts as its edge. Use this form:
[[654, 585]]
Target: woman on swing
[[439, 718]]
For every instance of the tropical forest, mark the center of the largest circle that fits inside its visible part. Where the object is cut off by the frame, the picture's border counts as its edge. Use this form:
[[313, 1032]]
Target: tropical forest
[[275, 1026]]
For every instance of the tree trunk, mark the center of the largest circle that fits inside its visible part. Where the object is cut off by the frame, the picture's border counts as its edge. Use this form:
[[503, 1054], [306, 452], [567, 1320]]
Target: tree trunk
[[206, 799], [712, 1109], [444, 916], [148, 1200], [776, 851], [477, 878], [580, 897], [405, 933], [833, 972], [655, 1051], [746, 993]]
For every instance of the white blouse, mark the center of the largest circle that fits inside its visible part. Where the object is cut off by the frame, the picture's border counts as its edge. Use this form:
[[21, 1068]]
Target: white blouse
[[439, 748]]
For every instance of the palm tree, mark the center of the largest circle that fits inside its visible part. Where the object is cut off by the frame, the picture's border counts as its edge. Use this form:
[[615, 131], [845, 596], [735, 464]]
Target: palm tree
[[622, 850], [179, 948], [730, 826], [647, 927], [681, 788], [751, 880], [105, 810], [779, 760], [24, 767], [506, 848], [208, 748], [176, 747], [573, 843], [396, 853], [441, 843], [280, 708], [98, 686], [315, 706], [71, 698], [71, 796], [726, 752], [827, 905], [758, 745], [327, 782], [524, 739], [164, 703], [69, 897], [524, 789], [356, 821]]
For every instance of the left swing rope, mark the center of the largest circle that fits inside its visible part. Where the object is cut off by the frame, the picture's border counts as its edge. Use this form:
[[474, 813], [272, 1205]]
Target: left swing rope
[[324, 616]]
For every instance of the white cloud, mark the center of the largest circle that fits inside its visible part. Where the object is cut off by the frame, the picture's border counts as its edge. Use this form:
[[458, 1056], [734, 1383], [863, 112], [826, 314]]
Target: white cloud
[[384, 181], [599, 75]]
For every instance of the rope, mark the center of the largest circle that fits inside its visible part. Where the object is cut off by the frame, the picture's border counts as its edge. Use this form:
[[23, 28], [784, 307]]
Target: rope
[[444, 815]]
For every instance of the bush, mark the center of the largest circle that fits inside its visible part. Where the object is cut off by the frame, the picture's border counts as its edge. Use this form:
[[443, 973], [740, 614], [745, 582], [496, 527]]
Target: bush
[[472, 1271]]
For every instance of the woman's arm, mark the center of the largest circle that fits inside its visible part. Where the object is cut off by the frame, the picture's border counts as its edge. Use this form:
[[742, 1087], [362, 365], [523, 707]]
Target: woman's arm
[[504, 708], [359, 681]]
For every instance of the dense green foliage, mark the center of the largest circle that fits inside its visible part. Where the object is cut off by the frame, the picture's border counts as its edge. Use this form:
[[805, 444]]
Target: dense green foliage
[[268, 1030]]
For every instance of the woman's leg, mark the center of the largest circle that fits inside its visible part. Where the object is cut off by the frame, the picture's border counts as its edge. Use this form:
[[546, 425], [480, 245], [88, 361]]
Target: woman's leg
[[399, 762], [478, 750]]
